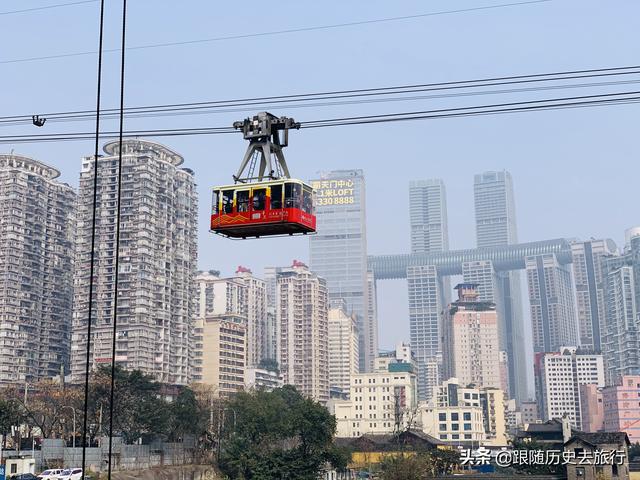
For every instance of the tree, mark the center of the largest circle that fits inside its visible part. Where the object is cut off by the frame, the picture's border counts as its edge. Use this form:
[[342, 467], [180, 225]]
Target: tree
[[403, 467], [138, 410], [10, 414], [45, 406], [187, 415], [278, 434], [419, 465]]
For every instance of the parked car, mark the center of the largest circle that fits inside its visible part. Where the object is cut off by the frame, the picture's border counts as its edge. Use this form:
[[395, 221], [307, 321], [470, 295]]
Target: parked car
[[24, 476], [51, 474], [70, 474]]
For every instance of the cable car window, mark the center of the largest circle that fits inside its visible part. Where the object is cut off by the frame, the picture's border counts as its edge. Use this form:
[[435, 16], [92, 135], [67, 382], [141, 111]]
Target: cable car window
[[276, 197], [306, 200], [227, 201], [242, 200], [259, 198], [214, 202], [292, 194]]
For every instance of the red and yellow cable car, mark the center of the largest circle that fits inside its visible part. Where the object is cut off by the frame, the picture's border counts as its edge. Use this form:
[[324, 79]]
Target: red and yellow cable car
[[277, 207], [270, 203]]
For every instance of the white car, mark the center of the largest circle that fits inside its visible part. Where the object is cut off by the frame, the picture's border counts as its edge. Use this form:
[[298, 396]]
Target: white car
[[51, 474], [70, 474]]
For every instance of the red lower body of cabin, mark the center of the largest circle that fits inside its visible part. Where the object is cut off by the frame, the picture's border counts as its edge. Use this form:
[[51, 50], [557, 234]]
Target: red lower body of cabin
[[286, 221]]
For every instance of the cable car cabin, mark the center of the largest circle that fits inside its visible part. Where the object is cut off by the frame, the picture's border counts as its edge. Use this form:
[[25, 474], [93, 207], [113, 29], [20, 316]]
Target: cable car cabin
[[275, 207]]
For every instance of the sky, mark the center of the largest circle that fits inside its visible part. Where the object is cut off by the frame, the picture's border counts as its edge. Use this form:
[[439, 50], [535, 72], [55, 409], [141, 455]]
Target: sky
[[574, 171]]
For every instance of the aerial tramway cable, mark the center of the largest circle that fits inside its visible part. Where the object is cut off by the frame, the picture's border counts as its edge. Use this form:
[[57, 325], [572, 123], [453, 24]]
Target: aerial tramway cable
[[93, 237], [117, 242]]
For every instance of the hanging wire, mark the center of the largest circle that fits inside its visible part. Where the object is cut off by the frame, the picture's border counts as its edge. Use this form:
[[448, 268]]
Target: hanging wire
[[93, 238], [117, 242]]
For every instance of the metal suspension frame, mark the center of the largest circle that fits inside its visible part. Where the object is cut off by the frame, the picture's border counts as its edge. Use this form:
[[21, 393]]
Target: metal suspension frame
[[265, 144]]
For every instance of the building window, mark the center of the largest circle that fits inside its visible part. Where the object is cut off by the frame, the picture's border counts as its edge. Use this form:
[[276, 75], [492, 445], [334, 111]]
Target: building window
[[454, 417], [466, 416], [442, 417], [455, 426], [467, 436], [467, 426]]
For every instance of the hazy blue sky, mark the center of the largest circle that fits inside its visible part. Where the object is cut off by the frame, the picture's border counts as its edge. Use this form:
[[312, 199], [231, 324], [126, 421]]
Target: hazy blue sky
[[575, 171]]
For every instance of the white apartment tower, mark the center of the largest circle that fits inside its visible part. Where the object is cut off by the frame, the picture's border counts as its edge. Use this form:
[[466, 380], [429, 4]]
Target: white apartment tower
[[553, 315], [220, 303], [36, 270], [157, 262], [381, 402], [589, 283], [343, 346], [302, 322], [256, 311], [558, 379]]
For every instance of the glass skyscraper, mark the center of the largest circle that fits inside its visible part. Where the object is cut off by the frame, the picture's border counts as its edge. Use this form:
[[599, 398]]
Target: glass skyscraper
[[496, 226], [428, 216], [338, 252], [428, 291]]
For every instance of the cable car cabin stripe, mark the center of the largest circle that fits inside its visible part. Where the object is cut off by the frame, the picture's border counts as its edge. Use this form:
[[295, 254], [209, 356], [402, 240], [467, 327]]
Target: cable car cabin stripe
[[285, 215]]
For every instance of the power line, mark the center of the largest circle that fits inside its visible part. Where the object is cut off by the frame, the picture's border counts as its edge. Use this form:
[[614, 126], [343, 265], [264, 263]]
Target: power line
[[93, 236], [117, 242], [276, 32], [492, 109], [304, 99], [48, 7]]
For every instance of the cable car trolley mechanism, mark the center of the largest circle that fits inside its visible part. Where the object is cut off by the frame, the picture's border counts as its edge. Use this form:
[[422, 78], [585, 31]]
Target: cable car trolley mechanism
[[266, 202]]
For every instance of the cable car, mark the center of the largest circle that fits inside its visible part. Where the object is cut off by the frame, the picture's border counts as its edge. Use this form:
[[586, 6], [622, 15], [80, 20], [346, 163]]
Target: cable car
[[269, 203]]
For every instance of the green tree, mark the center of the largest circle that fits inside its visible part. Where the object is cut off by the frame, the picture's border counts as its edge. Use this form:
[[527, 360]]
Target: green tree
[[403, 467], [186, 415], [419, 466], [138, 411], [10, 414], [278, 434]]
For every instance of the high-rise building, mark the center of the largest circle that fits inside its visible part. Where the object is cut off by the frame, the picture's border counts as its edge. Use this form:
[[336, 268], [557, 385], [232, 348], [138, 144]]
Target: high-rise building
[[495, 209], [36, 270], [302, 320], [428, 292], [382, 401], [495, 216], [220, 332], [372, 310], [558, 378], [270, 334], [343, 347], [551, 298], [622, 407], [338, 252], [587, 275], [428, 216], [425, 312], [621, 331], [256, 310], [157, 259], [470, 340]]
